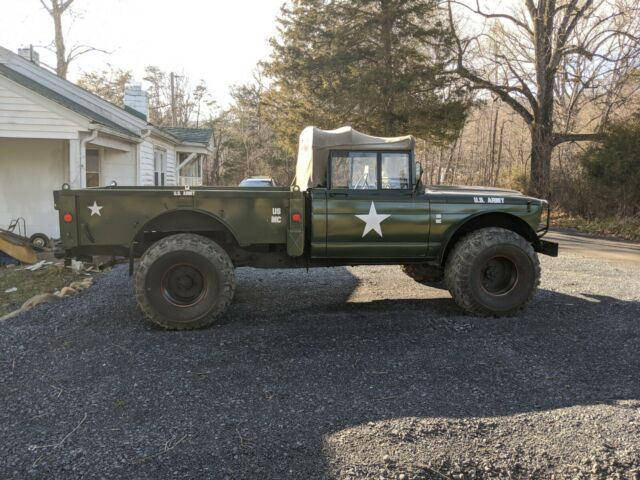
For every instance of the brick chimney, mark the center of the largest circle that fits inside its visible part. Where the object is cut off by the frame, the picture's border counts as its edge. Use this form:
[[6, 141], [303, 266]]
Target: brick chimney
[[136, 99], [29, 53]]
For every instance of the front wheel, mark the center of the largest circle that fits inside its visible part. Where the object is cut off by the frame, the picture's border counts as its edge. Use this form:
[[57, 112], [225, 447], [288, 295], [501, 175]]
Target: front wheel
[[184, 281], [492, 271]]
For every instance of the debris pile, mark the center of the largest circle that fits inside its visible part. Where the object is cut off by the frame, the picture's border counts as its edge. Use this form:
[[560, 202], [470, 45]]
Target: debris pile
[[17, 247], [24, 287], [71, 289]]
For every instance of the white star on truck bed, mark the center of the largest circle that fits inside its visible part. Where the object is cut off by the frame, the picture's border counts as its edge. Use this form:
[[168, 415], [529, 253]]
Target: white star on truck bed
[[372, 220], [95, 209]]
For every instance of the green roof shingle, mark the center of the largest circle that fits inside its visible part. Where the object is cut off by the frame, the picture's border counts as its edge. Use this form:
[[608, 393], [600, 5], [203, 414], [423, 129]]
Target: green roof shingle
[[192, 135]]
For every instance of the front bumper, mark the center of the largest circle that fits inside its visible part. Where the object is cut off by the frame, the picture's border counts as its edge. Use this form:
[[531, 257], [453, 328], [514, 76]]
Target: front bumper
[[543, 246], [546, 248]]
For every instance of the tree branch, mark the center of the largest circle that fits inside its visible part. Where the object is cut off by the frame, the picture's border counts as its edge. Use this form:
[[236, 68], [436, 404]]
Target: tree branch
[[559, 138], [500, 91], [79, 50], [566, 29], [505, 16], [525, 90]]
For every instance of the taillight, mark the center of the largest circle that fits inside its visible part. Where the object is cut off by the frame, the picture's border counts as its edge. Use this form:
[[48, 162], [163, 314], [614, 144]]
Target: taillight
[[296, 217], [67, 217]]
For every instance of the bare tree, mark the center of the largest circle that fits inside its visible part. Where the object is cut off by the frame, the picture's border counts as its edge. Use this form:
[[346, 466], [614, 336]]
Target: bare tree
[[548, 54], [172, 100], [57, 10], [109, 83]]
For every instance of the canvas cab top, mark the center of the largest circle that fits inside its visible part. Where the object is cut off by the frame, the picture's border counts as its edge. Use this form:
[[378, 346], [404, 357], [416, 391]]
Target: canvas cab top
[[316, 145]]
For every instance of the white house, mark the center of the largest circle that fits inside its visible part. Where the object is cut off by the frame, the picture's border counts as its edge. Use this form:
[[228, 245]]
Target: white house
[[54, 132]]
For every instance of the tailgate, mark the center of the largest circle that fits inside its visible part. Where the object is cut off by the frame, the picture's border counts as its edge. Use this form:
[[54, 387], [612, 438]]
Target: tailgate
[[295, 232], [65, 202]]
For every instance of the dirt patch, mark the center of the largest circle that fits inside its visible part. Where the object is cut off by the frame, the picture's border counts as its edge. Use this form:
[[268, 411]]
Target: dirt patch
[[48, 279]]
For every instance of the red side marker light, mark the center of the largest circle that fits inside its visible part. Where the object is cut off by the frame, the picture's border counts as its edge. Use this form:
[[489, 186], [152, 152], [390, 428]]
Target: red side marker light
[[67, 217], [296, 218]]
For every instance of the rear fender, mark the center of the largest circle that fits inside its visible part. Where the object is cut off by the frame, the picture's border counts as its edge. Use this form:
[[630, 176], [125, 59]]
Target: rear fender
[[185, 221]]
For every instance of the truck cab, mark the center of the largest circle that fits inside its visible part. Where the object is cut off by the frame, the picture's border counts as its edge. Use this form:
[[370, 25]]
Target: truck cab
[[364, 196]]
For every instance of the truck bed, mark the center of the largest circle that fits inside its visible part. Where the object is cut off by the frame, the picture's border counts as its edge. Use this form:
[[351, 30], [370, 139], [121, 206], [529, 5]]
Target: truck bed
[[115, 217]]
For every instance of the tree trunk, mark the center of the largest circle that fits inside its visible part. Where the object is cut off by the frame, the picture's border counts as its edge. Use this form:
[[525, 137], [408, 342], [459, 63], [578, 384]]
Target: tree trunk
[[61, 54], [541, 149]]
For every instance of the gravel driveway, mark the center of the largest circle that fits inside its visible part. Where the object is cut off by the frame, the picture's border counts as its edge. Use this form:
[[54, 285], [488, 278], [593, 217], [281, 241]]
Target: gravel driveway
[[345, 372]]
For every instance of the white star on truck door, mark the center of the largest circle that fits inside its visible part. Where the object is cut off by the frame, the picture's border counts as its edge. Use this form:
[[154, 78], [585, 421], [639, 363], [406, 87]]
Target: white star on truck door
[[95, 209], [372, 220]]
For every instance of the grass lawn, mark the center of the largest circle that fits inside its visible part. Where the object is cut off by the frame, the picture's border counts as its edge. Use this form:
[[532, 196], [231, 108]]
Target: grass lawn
[[46, 280]]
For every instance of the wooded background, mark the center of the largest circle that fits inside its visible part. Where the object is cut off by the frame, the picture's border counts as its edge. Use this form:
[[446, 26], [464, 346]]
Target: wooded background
[[536, 95]]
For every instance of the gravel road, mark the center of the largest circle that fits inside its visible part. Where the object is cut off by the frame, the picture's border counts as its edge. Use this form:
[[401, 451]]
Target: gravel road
[[334, 373]]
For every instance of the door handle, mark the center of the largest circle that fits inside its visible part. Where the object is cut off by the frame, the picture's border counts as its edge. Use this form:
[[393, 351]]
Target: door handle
[[338, 194]]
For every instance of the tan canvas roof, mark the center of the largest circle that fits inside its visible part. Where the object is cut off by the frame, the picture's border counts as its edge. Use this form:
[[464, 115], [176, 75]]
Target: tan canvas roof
[[315, 145]]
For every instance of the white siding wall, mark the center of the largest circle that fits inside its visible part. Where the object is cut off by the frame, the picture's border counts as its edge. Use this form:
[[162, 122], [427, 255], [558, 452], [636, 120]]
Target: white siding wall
[[30, 171], [21, 117], [171, 167], [147, 166], [118, 166], [146, 163]]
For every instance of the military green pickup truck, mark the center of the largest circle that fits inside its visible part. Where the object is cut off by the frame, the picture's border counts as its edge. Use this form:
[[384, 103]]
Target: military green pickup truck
[[355, 200]]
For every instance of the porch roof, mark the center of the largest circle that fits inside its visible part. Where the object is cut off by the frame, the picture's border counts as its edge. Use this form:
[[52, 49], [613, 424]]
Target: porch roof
[[191, 135]]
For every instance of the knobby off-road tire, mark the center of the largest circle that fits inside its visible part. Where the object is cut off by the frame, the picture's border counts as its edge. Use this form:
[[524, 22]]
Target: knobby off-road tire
[[492, 272], [426, 275], [184, 281]]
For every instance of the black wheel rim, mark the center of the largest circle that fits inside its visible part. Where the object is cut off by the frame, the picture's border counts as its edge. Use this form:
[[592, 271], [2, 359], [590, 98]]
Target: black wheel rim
[[183, 285], [499, 276]]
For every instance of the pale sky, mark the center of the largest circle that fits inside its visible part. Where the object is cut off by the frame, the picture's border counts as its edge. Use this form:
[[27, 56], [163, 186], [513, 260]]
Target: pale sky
[[219, 41]]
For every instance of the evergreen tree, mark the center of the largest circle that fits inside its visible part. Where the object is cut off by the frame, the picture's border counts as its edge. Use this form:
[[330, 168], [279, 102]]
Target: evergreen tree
[[612, 169], [374, 64]]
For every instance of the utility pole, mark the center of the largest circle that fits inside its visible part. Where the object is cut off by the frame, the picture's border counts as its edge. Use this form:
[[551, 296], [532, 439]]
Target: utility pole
[[173, 100]]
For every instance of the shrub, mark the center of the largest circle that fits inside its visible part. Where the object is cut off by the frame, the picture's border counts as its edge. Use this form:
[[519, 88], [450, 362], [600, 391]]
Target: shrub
[[612, 170]]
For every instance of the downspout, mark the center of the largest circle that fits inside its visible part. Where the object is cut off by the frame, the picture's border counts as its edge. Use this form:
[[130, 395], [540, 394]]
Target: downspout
[[144, 135], [83, 156]]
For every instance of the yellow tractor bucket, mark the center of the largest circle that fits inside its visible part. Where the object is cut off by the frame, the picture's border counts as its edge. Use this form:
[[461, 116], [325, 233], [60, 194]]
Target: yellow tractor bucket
[[17, 247]]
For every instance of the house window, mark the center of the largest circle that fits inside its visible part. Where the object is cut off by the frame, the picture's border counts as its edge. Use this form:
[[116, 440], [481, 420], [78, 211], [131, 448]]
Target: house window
[[160, 166], [93, 167]]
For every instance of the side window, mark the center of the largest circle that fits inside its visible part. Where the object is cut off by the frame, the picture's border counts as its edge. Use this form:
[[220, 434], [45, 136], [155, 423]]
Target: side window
[[93, 167], [354, 171], [395, 171], [160, 166]]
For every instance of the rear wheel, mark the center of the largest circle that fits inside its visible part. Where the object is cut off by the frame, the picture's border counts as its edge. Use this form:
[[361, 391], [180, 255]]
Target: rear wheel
[[492, 271], [184, 282]]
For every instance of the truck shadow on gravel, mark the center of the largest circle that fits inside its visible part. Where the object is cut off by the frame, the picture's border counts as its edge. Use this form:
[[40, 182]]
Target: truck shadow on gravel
[[294, 362]]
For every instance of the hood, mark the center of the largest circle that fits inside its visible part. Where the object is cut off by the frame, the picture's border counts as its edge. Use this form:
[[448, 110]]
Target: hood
[[458, 190], [480, 195]]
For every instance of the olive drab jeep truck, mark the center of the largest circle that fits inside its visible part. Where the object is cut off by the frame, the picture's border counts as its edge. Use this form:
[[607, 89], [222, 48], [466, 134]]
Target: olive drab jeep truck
[[356, 200]]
